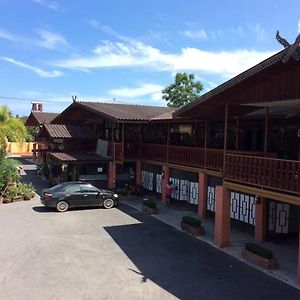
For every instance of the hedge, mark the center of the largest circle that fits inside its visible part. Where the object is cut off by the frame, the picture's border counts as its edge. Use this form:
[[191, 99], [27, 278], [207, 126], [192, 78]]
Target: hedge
[[150, 203], [259, 250], [191, 221]]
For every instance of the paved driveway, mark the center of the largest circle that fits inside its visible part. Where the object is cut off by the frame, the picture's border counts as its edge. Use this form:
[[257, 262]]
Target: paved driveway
[[116, 254]]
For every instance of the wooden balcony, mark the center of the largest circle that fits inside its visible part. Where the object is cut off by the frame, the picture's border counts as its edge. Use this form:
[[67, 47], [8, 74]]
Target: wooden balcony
[[278, 174]]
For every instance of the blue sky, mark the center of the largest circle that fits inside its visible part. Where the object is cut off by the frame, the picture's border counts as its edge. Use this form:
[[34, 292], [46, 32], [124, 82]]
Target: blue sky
[[130, 50]]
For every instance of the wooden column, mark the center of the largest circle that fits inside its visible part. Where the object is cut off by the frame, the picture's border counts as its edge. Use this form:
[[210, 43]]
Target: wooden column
[[202, 195], [111, 174], [138, 172], [222, 217], [261, 215], [164, 181], [225, 135], [266, 130], [123, 139], [168, 140], [140, 141], [298, 271], [237, 136], [205, 143]]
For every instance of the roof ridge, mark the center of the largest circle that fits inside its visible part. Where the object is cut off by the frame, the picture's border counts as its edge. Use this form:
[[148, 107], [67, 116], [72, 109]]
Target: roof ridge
[[128, 104]]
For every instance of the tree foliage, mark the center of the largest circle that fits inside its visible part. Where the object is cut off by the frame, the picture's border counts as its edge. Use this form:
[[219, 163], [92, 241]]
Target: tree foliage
[[11, 127], [8, 172], [184, 90]]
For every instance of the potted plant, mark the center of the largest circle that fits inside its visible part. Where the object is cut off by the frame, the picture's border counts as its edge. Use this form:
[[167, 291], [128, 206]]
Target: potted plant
[[192, 225], [150, 207], [259, 255]]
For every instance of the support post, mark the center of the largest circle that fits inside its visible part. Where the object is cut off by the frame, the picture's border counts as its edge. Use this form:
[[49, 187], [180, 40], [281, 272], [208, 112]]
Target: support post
[[138, 172], [168, 141], [205, 143], [260, 219], [164, 181], [111, 174], [237, 136], [202, 195], [123, 140], [298, 271], [225, 136], [266, 131], [222, 217]]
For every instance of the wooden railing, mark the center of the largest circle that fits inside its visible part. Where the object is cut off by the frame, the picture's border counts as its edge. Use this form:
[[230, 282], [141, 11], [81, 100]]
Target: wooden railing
[[131, 150], [263, 171], [154, 151], [186, 155]]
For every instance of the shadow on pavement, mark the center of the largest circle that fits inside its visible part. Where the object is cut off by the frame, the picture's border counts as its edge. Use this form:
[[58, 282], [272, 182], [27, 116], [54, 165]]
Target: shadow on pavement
[[186, 267], [43, 209]]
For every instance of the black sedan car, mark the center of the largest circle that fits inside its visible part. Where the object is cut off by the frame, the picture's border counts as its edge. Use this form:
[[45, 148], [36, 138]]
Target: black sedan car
[[77, 194]]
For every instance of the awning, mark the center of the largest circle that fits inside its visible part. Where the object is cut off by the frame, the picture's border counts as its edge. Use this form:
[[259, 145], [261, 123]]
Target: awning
[[72, 158]]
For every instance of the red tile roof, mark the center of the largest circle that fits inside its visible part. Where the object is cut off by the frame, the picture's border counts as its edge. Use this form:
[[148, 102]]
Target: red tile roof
[[39, 118], [77, 157], [126, 111]]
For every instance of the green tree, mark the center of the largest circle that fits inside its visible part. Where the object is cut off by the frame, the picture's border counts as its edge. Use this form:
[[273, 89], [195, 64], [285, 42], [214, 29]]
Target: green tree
[[11, 129], [184, 90]]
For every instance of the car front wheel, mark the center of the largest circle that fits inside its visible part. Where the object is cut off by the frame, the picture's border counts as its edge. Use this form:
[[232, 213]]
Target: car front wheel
[[108, 203], [62, 206]]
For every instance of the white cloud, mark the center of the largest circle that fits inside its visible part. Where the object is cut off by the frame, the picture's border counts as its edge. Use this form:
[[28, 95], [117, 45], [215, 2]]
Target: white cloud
[[38, 71], [142, 90], [4, 34], [49, 4], [258, 31], [94, 23], [50, 40], [196, 34], [131, 53]]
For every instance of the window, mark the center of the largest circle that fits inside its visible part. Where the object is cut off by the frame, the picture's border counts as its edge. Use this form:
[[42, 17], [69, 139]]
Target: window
[[74, 188], [87, 188]]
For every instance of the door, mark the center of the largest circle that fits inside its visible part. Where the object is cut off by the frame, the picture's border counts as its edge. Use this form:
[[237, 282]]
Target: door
[[74, 195], [91, 195]]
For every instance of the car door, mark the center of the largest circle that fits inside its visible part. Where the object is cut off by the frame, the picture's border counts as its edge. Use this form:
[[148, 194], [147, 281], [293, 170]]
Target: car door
[[74, 195], [91, 195]]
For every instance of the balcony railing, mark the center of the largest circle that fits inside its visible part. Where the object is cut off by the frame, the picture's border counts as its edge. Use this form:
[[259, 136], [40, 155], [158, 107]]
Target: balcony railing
[[263, 171]]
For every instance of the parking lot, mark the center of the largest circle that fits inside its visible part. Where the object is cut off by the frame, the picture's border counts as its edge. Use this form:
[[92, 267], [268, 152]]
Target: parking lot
[[119, 253]]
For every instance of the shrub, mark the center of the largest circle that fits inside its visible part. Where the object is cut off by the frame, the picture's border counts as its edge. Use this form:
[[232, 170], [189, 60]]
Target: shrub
[[191, 221], [19, 190], [259, 250], [8, 172], [150, 203]]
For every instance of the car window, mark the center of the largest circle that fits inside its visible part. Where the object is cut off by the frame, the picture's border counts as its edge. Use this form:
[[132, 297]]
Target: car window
[[74, 188], [57, 188], [87, 188]]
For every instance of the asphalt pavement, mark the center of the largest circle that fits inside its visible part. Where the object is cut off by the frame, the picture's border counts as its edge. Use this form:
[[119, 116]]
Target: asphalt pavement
[[115, 254]]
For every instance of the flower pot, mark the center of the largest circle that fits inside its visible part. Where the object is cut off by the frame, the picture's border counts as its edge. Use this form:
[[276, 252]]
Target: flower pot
[[7, 200], [17, 199], [259, 260], [195, 231], [150, 211]]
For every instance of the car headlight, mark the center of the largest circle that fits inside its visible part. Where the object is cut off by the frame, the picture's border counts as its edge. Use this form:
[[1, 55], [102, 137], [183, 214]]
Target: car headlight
[[116, 196]]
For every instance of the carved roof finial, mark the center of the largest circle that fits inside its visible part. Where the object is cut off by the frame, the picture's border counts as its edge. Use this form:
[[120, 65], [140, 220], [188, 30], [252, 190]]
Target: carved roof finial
[[291, 50]]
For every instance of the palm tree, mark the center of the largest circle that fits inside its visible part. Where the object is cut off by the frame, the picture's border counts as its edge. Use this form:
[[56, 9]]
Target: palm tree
[[12, 129]]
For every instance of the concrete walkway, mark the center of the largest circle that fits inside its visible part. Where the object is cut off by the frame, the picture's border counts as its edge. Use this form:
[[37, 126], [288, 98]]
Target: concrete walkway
[[286, 254]]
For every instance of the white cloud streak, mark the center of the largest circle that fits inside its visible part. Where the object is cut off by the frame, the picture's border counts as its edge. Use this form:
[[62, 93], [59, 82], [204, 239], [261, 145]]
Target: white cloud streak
[[50, 40], [38, 71], [151, 91], [199, 34], [4, 34], [49, 4], [129, 53]]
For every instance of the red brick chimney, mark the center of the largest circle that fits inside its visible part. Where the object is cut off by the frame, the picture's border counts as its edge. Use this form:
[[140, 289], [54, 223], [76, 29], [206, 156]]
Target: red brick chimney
[[36, 106]]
